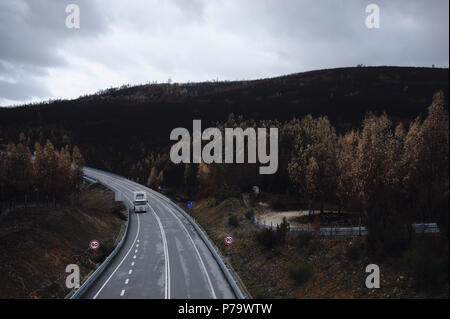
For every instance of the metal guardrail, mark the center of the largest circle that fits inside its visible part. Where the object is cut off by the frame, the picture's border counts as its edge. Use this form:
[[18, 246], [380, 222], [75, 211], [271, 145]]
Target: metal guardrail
[[202, 235], [324, 231], [233, 272], [349, 231], [91, 279], [426, 228], [208, 244], [91, 179]]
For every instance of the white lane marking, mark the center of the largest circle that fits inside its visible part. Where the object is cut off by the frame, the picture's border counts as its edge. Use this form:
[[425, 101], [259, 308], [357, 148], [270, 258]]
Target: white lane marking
[[135, 251], [167, 263], [133, 184], [127, 281], [137, 245], [122, 292], [213, 293], [166, 255], [134, 257], [112, 274], [132, 264], [130, 271]]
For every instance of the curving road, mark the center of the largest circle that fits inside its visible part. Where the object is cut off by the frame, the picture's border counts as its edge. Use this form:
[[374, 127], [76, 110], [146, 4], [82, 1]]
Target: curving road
[[162, 257]]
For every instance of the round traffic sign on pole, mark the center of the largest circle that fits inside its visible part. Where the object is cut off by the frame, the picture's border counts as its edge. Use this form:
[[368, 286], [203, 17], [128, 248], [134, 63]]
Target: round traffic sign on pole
[[228, 240], [94, 244]]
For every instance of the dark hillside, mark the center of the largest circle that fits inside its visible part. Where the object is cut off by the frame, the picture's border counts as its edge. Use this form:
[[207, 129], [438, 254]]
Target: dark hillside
[[116, 126]]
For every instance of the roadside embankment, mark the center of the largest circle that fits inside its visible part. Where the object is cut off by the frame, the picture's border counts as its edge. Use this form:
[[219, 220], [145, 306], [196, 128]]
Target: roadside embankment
[[37, 243], [310, 266]]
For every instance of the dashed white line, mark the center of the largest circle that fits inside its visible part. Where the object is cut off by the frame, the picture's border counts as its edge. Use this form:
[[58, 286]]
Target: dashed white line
[[127, 281], [136, 251], [122, 292], [112, 274], [130, 271], [132, 264], [213, 293], [167, 268], [200, 259]]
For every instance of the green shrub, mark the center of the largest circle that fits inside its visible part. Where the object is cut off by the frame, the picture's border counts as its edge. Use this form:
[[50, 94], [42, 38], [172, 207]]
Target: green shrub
[[259, 293], [249, 214], [267, 238], [300, 271], [233, 220]]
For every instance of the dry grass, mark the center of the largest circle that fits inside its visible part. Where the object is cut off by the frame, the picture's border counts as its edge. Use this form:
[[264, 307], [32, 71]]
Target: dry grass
[[36, 244], [338, 264]]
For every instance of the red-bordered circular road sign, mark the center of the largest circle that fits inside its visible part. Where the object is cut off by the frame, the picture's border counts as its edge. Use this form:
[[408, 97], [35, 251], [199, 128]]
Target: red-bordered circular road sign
[[228, 240], [94, 244]]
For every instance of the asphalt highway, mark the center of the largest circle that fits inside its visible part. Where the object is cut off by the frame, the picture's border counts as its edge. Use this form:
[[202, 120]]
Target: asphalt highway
[[163, 257]]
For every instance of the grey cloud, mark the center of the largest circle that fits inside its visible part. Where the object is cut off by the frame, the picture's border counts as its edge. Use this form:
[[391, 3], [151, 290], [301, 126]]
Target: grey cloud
[[144, 40], [21, 82], [192, 10], [334, 33], [27, 90], [31, 34]]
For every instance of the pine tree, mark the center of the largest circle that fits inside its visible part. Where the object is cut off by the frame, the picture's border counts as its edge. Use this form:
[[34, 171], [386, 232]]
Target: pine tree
[[313, 167]]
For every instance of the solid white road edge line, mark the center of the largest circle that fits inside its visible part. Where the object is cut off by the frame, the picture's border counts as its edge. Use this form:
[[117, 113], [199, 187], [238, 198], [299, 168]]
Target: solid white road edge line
[[166, 255], [213, 293], [112, 274]]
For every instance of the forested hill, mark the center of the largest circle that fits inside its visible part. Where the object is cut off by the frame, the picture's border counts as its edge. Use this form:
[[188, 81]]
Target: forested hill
[[116, 126]]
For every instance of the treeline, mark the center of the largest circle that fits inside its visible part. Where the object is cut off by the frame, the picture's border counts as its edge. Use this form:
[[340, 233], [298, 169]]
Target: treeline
[[395, 175], [121, 130], [46, 175], [203, 180]]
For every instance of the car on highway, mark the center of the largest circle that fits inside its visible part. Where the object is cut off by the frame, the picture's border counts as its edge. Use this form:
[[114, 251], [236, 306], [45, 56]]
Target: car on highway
[[140, 202]]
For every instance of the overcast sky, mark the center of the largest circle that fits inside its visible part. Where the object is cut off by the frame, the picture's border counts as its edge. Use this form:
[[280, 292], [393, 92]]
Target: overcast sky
[[139, 41]]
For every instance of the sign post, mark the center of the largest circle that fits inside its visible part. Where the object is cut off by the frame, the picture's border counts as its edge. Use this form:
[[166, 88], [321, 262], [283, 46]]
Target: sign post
[[228, 240], [94, 244]]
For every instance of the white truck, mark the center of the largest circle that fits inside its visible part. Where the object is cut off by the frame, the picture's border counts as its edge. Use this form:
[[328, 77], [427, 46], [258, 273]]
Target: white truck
[[140, 202]]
